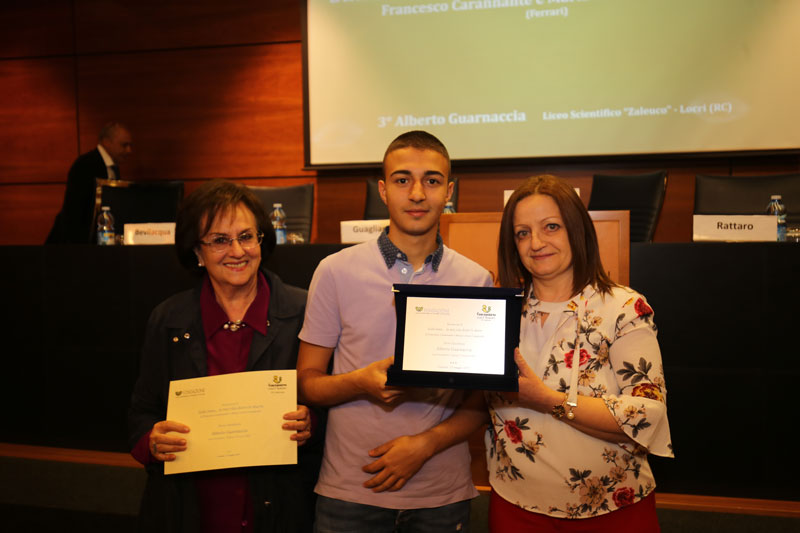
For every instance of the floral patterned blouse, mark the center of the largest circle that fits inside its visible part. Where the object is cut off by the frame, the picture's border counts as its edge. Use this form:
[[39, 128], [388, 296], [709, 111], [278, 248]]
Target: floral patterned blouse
[[544, 465]]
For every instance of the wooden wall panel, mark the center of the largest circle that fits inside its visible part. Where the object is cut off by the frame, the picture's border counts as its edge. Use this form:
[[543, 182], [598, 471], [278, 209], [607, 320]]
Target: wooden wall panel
[[340, 198], [191, 185], [27, 212], [752, 166], [200, 113], [675, 221], [167, 25], [205, 98], [38, 141], [483, 191], [32, 28]]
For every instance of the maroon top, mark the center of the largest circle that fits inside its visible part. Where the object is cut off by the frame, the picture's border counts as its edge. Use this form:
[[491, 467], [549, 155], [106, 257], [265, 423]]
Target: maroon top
[[223, 495]]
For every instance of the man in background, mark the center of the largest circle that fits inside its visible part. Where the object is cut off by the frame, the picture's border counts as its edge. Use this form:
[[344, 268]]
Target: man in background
[[74, 223], [393, 457]]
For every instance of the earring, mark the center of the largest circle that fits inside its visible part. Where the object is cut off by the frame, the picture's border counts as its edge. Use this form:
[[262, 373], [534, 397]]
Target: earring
[[200, 264]]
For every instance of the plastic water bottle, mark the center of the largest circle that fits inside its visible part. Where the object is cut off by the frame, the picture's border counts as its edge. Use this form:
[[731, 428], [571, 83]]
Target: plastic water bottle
[[449, 208], [278, 217], [775, 207], [105, 227]]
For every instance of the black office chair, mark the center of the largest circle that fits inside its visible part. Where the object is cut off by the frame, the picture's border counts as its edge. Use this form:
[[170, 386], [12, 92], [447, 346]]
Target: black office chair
[[298, 203], [641, 194], [375, 209], [746, 195], [138, 202]]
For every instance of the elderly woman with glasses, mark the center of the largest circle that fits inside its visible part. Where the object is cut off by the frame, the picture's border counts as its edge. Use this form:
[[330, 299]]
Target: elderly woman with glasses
[[240, 318]]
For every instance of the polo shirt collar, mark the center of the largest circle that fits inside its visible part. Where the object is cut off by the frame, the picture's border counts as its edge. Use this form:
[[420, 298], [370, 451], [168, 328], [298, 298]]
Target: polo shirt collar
[[392, 253]]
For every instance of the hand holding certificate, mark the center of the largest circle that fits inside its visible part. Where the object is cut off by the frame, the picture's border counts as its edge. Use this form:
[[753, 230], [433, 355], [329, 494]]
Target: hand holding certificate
[[236, 420]]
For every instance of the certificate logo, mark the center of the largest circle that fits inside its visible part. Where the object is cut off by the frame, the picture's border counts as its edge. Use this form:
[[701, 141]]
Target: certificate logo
[[431, 310], [190, 392], [486, 313], [277, 383]]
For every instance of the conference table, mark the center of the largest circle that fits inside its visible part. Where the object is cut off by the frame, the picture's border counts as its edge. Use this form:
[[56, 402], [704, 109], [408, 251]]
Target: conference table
[[74, 319]]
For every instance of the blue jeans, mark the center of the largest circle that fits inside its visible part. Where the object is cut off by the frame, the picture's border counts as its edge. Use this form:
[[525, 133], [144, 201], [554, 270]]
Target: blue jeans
[[337, 516]]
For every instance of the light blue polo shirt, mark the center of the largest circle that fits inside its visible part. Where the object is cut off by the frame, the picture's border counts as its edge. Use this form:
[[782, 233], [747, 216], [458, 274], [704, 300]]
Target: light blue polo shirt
[[351, 309]]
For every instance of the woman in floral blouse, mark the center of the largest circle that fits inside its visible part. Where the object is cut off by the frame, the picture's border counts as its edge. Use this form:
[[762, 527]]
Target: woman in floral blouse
[[569, 452]]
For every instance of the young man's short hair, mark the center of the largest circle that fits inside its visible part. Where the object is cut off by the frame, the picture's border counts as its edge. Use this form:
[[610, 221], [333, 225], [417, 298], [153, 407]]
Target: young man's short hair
[[421, 140]]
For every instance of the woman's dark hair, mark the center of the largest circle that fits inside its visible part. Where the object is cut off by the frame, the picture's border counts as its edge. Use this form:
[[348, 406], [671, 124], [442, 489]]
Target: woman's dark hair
[[587, 269], [203, 205]]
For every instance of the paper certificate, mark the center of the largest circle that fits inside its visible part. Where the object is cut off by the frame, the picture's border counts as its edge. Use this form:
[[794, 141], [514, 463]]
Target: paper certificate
[[455, 335], [234, 419]]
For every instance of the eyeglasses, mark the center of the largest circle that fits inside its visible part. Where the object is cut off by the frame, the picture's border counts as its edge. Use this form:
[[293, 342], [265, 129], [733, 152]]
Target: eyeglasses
[[221, 243]]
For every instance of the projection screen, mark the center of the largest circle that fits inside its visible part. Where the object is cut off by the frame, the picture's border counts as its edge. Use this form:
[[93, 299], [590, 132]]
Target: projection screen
[[507, 79]]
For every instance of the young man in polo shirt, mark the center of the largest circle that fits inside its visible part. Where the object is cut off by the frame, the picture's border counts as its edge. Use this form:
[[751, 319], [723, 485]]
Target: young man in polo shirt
[[395, 459]]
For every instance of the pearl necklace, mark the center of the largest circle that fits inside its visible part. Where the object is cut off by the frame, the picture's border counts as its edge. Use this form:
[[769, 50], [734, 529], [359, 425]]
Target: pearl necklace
[[233, 325]]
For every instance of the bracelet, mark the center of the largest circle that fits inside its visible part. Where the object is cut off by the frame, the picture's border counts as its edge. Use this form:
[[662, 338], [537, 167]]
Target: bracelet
[[563, 409]]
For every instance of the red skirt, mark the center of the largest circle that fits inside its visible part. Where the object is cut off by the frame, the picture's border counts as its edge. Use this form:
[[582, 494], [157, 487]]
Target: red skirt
[[639, 517]]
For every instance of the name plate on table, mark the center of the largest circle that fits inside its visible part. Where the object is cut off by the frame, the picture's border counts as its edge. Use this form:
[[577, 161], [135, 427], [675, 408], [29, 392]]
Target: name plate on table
[[353, 231], [455, 337], [735, 228], [152, 233]]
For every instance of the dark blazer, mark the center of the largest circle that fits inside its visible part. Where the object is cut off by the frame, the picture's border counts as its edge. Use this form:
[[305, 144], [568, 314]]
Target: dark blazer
[[74, 223], [174, 348]]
